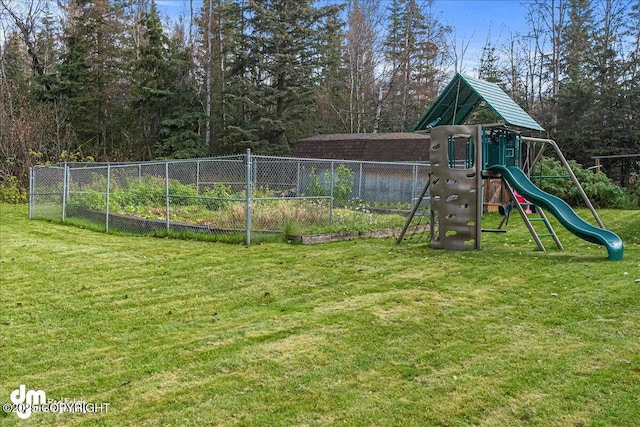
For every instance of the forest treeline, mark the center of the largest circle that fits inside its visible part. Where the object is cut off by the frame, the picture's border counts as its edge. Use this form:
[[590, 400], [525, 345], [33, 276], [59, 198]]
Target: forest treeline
[[113, 80]]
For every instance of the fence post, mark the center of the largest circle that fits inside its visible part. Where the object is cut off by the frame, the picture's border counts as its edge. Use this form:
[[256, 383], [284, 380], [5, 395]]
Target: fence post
[[248, 197], [298, 182], [166, 191], [106, 220], [68, 183], [254, 172], [64, 191], [414, 183], [331, 199], [360, 183], [198, 176], [31, 188]]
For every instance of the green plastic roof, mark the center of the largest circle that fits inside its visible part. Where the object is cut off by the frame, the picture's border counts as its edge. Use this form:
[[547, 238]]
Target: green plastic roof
[[463, 94]]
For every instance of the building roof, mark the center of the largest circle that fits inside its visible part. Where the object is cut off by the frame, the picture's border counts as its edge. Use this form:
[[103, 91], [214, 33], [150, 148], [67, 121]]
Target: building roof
[[463, 95], [380, 147]]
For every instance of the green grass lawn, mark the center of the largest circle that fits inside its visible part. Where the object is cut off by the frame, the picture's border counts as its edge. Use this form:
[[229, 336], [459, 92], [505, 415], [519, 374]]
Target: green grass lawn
[[190, 333]]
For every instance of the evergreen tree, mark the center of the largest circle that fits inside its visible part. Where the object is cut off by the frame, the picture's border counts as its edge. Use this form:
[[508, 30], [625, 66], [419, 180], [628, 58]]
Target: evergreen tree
[[221, 60], [88, 82], [414, 43], [432, 61], [330, 96], [396, 53], [394, 42], [15, 73], [489, 69], [613, 122], [605, 70], [577, 95], [180, 133], [151, 80], [281, 72]]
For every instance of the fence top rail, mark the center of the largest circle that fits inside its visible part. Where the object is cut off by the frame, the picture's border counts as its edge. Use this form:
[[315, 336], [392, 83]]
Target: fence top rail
[[294, 198], [229, 158], [317, 160], [236, 157], [89, 167], [617, 156], [48, 167]]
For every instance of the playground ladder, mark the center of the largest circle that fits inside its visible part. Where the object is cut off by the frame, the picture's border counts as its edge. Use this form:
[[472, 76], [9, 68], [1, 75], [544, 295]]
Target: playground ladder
[[414, 212], [527, 220]]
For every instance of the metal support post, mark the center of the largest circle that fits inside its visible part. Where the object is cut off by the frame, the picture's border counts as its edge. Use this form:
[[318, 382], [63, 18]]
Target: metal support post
[[572, 175], [108, 190], [298, 181], [166, 193], [31, 192], [414, 183], [65, 173], [479, 161], [198, 176], [331, 194], [248, 197], [360, 183]]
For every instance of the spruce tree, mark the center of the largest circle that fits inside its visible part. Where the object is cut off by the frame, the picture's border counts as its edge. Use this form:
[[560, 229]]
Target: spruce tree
[[330, 96], [151, 80], [179, 135], [413, 46], [282, 67], [220, 55], [576, 93], [88, 81]]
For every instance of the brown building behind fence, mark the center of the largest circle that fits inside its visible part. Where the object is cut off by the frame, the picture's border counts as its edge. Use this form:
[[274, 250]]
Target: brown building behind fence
[[384, 147], [373, 147]]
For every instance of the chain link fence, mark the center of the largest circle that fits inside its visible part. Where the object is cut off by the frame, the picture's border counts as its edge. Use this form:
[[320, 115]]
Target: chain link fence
[[232, 197]]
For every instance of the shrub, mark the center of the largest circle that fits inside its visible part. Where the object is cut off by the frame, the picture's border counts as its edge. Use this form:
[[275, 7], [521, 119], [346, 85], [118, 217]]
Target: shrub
[[635, 185], [342, 184], [600, 189], [10, 192]]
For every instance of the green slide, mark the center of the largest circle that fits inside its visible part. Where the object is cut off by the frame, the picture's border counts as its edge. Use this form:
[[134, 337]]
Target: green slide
[[562, 211]]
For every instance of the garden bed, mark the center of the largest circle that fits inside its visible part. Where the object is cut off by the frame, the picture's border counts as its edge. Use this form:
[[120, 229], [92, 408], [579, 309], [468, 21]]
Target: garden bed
[[135, 224], [336, 237]]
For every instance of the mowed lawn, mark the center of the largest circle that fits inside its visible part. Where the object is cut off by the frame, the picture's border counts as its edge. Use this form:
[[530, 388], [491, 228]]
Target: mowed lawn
[[360, 333]]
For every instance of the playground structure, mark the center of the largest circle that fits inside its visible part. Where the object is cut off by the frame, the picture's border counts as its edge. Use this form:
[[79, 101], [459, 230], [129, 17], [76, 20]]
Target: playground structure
[[463, 156]]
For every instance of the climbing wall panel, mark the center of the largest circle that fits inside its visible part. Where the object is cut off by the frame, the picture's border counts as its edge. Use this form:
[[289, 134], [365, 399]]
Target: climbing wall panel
[[455, 187]]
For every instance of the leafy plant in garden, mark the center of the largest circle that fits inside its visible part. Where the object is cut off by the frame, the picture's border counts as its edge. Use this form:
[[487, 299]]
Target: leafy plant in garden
[[320, 185], [89, 199], [215, 197], [138, 193]]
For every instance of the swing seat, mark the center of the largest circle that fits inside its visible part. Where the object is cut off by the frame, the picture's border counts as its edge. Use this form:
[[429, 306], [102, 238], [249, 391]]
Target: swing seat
[[504, 210]]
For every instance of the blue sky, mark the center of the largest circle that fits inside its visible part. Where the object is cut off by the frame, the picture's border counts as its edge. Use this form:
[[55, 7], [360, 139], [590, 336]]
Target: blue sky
[[472, 20], [478, 16], [475, 20]]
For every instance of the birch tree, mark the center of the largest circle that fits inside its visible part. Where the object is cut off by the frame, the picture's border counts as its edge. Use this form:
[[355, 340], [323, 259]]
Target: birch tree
[[361, 60]]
